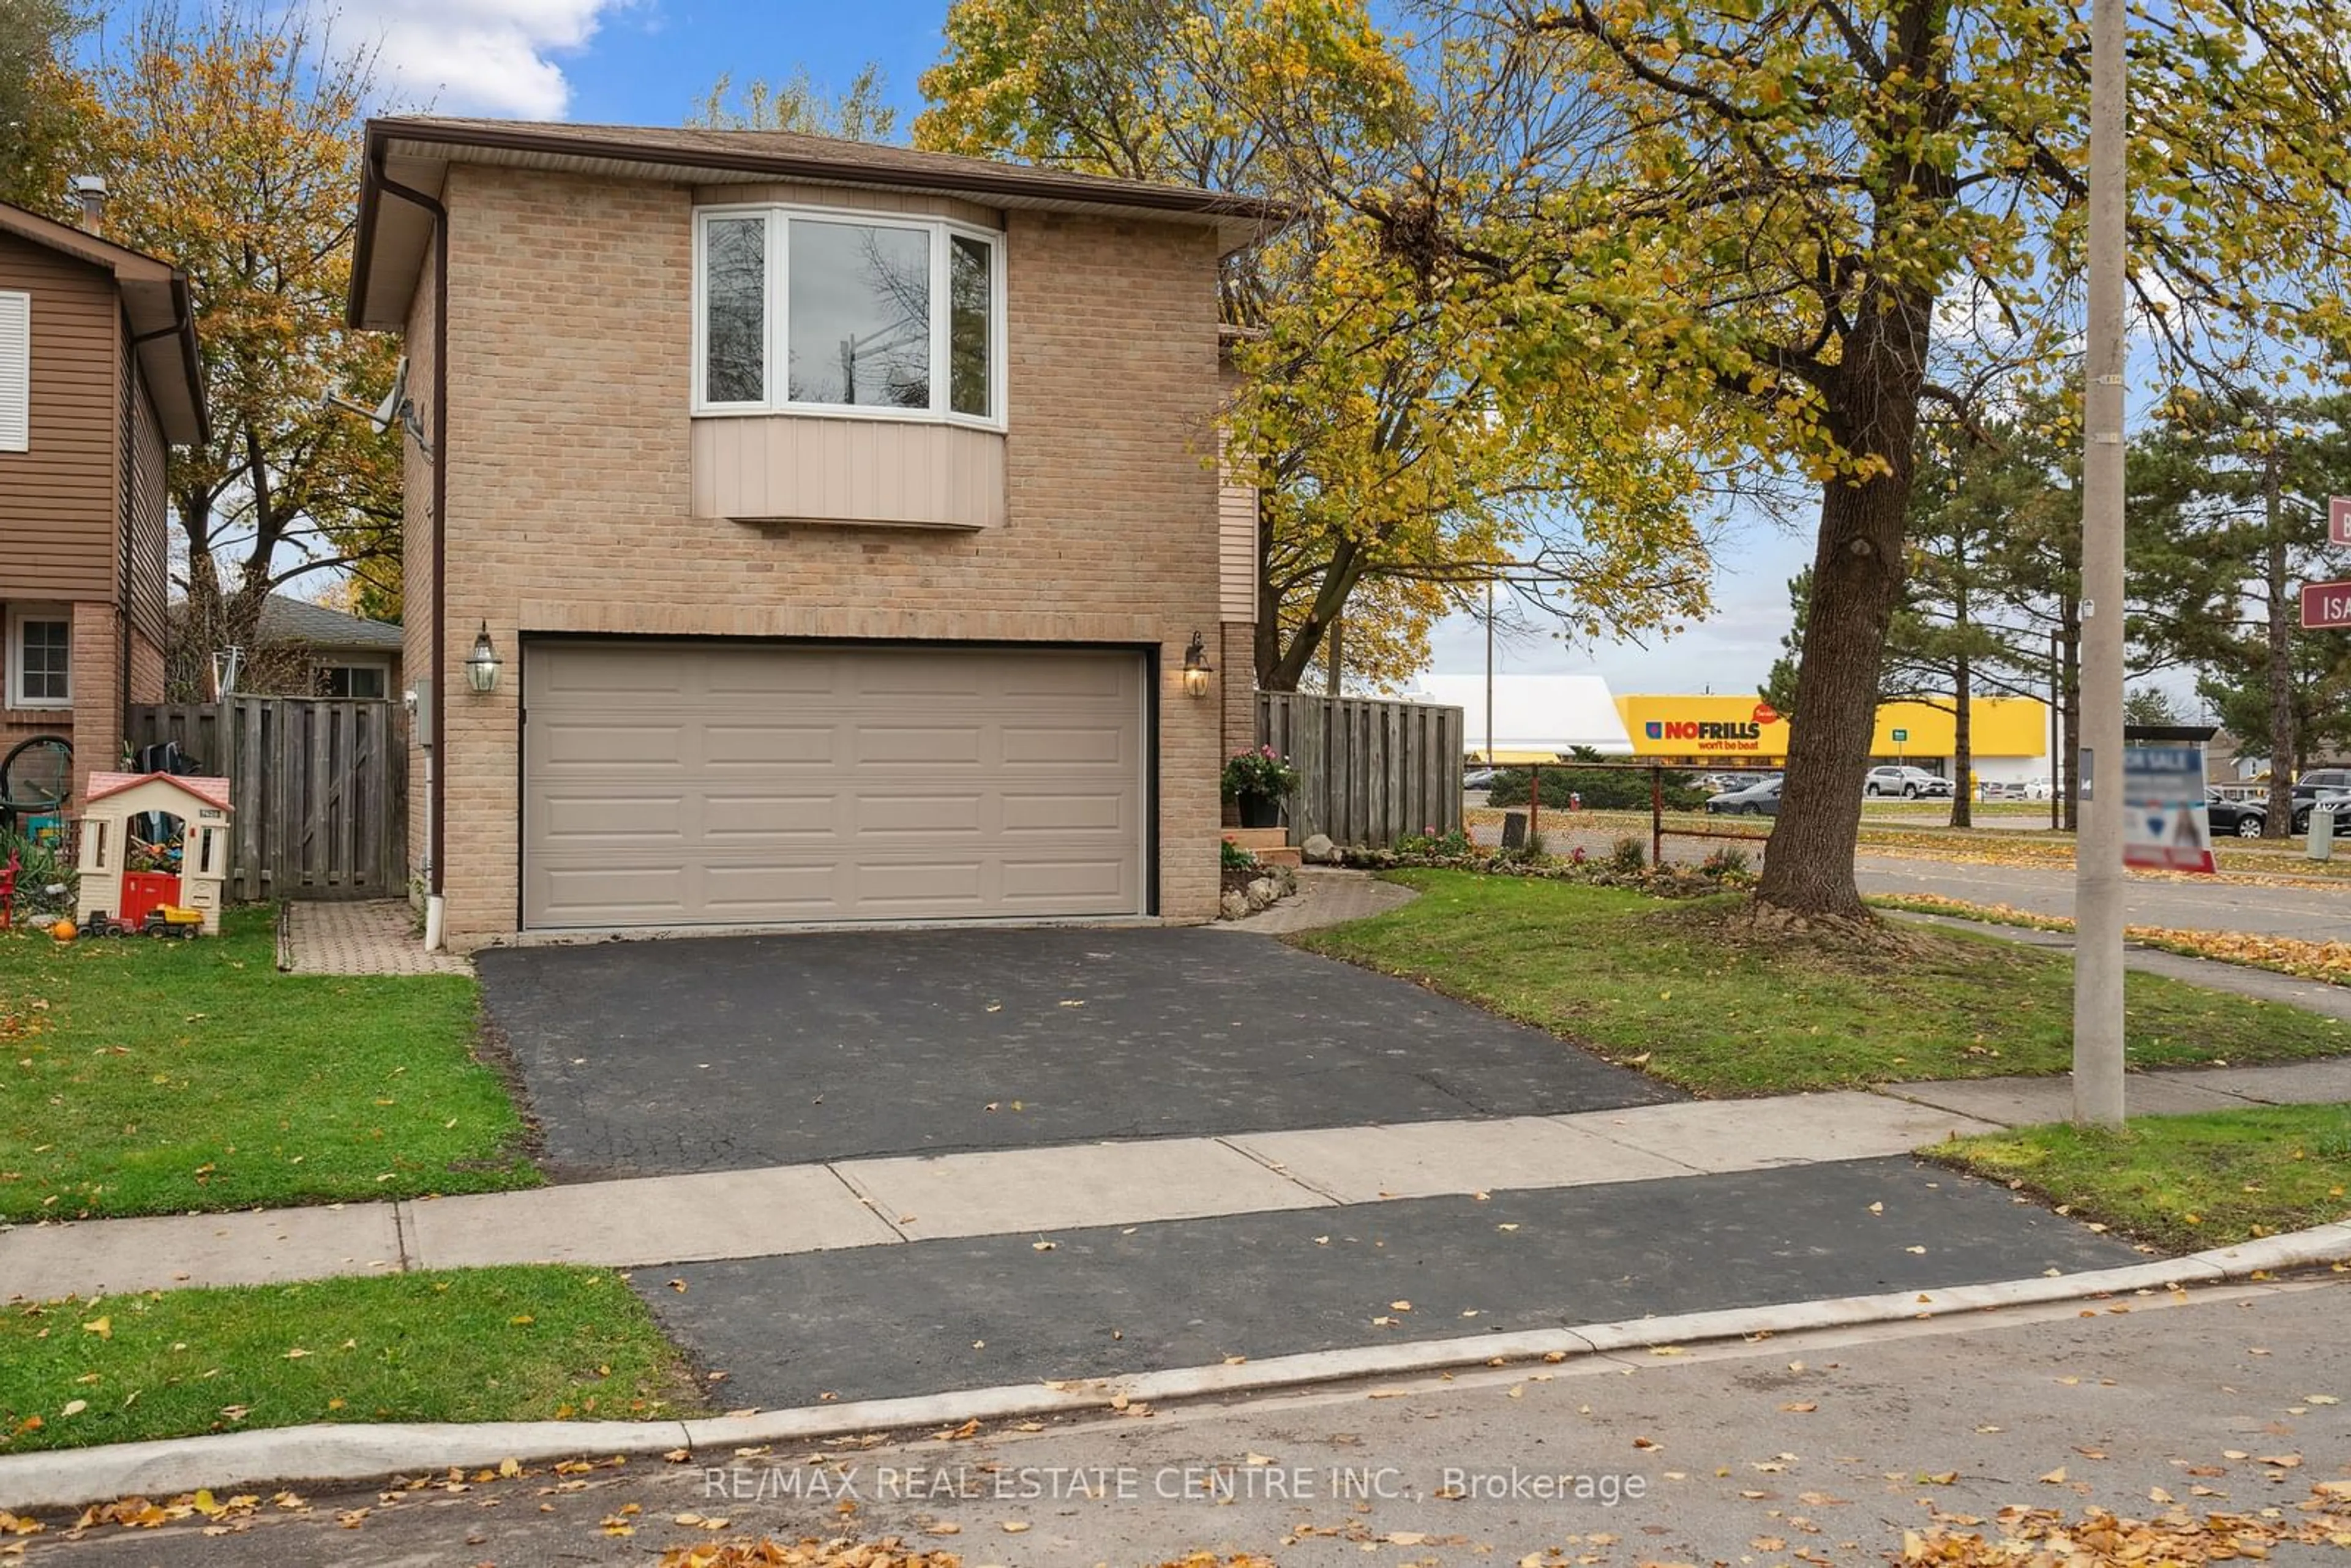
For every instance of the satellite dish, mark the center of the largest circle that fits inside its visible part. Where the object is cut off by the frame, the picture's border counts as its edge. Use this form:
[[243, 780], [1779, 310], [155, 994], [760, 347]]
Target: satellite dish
[[397, 408], [395, 404]]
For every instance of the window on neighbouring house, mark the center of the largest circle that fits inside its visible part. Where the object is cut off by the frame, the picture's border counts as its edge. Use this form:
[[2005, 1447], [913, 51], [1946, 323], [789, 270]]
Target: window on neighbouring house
[[16, 372], [40, 657], [366, 682], [900, 317]]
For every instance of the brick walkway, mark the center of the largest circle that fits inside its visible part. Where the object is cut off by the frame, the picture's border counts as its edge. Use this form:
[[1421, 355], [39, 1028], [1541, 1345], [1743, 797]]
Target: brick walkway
[[360, 936], [1325, 896]]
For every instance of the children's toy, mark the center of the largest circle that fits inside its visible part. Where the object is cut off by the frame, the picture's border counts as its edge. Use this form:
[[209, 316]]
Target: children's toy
[[172, 921], [143, 880]]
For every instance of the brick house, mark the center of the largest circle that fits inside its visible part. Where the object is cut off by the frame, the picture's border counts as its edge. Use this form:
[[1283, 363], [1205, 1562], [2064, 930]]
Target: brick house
[[98, 375], [839, 518]]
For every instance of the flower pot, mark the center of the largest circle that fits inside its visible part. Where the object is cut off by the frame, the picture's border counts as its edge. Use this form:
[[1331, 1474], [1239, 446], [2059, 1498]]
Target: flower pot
[[1260, 811]]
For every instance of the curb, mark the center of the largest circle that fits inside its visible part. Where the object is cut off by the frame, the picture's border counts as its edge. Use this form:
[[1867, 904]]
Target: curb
[[340, 1453]]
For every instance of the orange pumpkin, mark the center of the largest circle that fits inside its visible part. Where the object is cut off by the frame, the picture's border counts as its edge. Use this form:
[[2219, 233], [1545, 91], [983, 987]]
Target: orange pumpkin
[[63, 931]]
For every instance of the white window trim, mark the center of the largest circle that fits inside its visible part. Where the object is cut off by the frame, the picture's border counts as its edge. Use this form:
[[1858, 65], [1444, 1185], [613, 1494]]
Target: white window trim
[[17, 616], [777, 323], [15, 371]]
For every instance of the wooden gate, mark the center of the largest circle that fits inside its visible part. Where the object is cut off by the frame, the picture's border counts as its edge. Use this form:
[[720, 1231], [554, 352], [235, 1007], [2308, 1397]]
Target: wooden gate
[[320, 790], [1370, 771]]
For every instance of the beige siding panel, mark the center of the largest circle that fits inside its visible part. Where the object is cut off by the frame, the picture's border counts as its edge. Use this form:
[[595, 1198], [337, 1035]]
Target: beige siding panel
[[807, 468], [57, 500], [1236, 552], [721, 783]]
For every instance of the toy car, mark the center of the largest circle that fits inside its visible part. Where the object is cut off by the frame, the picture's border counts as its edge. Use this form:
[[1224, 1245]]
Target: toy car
[[172, 921]]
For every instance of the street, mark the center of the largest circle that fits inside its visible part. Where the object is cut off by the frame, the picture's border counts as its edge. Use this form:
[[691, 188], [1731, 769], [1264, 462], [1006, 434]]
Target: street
[[1826, 1446]]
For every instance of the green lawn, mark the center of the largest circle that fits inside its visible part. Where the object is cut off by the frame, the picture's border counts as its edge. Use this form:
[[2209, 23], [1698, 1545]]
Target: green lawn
[[470, 1345], [1662, 987], [139, 1076], [2182, 1182]]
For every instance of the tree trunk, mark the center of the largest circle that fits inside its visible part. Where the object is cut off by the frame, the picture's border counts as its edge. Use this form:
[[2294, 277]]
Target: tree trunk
[[1963, 749], [2278, 822], [1856, 580]]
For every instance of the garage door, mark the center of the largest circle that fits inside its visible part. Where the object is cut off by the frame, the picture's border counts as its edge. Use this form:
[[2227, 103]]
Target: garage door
[[680, 783]]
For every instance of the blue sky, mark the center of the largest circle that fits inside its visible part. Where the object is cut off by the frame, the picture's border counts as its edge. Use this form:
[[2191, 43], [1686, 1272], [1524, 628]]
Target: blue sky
[[651, 61]]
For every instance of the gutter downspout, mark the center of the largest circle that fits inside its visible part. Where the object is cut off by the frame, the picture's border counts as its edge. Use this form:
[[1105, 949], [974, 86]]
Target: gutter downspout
[[439, 463], [182, 327]]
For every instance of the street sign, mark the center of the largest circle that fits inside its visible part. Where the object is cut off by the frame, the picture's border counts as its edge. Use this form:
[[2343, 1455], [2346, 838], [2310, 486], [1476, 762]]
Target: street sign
[[2326, 606], [2338, 520], [2164, 824], [1900, 735]]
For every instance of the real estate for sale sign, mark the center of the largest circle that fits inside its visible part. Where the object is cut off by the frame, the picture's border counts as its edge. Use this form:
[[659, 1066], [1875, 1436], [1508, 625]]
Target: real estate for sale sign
[[2164, 825]]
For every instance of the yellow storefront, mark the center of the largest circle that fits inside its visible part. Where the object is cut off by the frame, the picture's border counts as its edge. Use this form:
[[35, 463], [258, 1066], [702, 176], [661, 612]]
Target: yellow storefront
[[2010, 735]]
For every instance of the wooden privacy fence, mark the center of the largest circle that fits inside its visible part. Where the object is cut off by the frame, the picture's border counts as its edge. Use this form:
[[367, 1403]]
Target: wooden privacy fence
[[1370, 771], [320, 790]]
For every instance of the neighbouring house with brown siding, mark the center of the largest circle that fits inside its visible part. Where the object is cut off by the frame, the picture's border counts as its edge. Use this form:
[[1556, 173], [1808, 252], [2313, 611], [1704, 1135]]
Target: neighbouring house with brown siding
[[98, 375], [839, 519]]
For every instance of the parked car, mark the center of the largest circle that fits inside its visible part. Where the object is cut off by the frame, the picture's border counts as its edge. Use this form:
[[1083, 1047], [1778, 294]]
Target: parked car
[[1904, 780], [2320, 782], [1479, 778], [2244, 817], [1757, 800], [2235, 819]]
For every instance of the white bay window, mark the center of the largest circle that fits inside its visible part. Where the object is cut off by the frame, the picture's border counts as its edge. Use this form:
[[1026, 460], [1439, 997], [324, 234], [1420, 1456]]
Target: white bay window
[[803, 310]]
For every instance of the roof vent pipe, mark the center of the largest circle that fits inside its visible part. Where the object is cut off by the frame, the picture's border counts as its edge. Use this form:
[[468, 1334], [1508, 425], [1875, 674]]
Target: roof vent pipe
[[89, 192]]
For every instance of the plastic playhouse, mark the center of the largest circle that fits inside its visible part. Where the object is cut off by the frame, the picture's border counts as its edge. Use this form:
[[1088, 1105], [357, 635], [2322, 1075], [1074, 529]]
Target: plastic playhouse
[[137, 872]]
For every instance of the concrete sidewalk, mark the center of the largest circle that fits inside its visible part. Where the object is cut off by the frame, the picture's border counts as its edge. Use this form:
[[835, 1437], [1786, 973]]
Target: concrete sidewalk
[[784, 1210]]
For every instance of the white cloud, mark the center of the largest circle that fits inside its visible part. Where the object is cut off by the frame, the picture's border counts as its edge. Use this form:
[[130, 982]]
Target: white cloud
[[1730, 651], [477, 56]]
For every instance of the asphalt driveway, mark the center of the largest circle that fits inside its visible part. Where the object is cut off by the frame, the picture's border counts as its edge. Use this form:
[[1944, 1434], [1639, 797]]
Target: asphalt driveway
[[654, 1058]]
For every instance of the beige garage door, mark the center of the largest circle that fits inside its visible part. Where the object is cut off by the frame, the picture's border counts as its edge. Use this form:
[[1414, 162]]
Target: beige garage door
[[681, 784]]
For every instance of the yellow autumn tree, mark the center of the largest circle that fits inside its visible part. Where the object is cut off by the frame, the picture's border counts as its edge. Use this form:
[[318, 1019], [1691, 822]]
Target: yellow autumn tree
[[1397, 475], [1793, 228], [46, 108], [231, 138]]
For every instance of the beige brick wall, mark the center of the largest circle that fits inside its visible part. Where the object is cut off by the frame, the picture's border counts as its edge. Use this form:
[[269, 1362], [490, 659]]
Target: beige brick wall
[[569, 485]]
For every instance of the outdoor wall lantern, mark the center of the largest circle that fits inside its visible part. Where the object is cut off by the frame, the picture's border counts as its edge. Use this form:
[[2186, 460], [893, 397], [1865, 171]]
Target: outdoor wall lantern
[[482, 666], [1196, 668]]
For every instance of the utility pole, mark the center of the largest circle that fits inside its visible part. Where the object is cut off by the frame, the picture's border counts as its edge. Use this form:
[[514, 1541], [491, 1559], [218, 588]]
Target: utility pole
[[2098, 884], [1489, 672], [2279, 823]]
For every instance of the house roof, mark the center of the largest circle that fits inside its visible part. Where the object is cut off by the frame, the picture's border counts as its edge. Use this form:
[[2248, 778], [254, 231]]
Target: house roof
[[212, 792], [415, 150], [155, 300], [285, 619], [1547, 715]]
